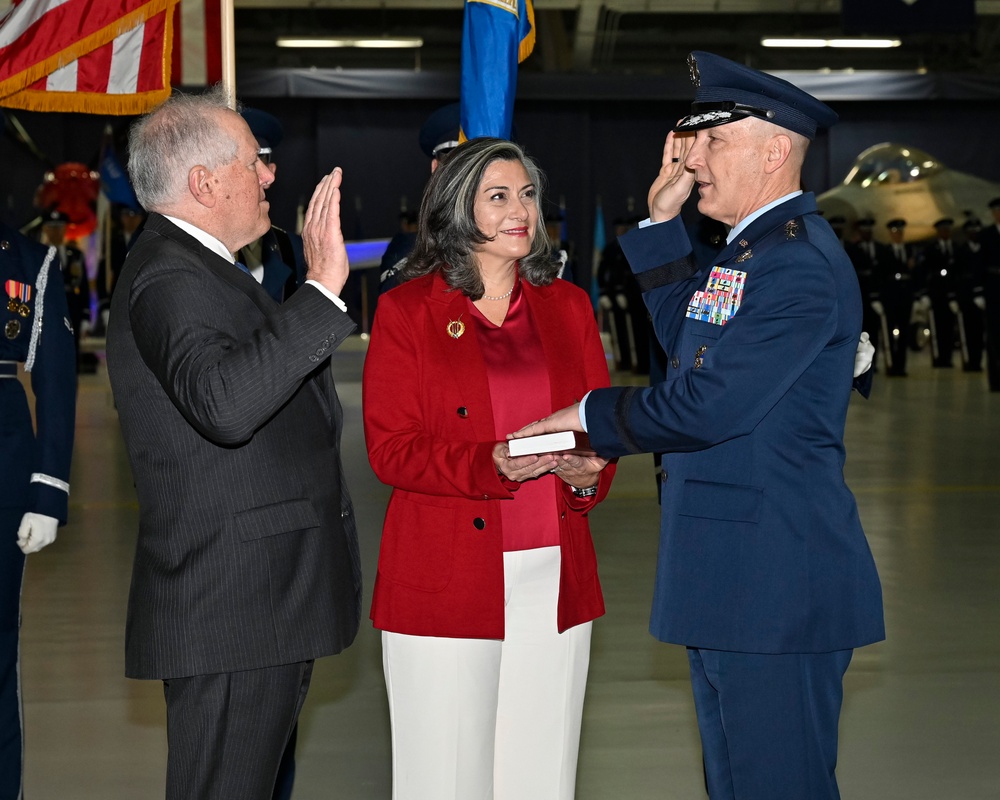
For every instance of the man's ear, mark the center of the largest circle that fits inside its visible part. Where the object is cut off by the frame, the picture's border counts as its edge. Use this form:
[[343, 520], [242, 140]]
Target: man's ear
[[201, 186], [778, 149]]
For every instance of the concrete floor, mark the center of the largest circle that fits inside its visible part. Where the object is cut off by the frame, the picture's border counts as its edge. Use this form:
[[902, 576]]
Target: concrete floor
[[922, 710]]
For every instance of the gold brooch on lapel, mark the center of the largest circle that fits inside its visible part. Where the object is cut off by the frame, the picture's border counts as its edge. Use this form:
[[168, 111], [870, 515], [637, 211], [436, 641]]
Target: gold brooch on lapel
[[456, 328], [744, 256], [791, 229]]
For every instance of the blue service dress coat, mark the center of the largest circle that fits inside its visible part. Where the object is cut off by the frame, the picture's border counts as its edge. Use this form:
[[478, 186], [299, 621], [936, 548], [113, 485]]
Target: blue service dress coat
[[34, 467], [247, 554], [761, 548]]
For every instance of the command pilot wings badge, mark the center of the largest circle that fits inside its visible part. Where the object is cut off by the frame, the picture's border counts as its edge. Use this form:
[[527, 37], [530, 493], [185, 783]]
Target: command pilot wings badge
[[721, 297]]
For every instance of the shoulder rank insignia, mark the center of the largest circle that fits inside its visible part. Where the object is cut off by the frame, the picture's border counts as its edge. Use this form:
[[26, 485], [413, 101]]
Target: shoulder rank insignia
[[791, 229]]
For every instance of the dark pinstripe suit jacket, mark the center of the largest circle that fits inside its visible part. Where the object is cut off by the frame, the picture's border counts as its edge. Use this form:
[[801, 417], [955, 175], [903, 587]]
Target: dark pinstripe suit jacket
[[247, 553]]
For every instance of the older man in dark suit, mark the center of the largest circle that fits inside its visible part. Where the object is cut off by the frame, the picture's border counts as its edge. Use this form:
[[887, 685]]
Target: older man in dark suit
[[764, 571], [246, 567]]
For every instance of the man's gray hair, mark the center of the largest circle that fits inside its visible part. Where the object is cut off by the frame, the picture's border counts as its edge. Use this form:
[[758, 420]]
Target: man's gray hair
[[177, 135]]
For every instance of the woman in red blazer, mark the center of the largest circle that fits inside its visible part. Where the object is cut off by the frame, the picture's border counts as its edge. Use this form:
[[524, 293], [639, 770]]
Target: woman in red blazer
[[487, 579]]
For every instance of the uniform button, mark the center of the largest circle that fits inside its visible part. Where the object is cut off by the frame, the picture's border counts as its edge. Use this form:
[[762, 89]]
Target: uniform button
[[675, 362], [479, 522], [4, 245], [663, 476], [463, 411], [345, 513]]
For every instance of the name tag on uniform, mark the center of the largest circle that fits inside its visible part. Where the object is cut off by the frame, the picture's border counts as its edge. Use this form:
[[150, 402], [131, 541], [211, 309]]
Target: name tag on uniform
[[721, 297]]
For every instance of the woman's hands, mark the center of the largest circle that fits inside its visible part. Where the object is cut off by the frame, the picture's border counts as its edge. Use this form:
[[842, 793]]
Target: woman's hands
[[576, 470]]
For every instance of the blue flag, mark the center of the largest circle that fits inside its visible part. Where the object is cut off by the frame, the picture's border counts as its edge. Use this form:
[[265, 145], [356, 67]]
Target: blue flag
[[115, 182], [600, 240], [497, 35]]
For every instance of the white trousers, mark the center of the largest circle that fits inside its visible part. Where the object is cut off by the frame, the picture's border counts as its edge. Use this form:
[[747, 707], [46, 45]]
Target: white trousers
[[482, 719]]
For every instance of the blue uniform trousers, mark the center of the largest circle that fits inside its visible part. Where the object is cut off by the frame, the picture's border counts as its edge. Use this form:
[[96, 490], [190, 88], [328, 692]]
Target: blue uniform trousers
[[11, 572], [769, 723]]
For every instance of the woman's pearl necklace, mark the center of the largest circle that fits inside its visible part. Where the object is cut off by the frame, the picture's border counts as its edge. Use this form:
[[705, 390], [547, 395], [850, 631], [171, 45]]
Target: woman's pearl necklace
[[504, 296]]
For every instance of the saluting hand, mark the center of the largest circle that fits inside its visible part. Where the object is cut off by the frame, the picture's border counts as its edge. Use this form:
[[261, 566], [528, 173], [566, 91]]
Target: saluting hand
[[322, 238], [674, 182]]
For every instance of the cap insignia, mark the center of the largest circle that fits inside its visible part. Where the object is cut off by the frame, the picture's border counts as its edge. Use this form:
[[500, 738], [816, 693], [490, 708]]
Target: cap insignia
[[693, 70]]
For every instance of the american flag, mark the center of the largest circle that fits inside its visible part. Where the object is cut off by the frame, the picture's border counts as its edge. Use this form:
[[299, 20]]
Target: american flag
[[106, 56]]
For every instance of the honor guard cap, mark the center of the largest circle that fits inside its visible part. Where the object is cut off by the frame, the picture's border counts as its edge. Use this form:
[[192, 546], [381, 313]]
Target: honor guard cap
[[728, 92], [895, 224], [865, 222], [945, 222], [265, 127], [994, 203], [972, 225], [439, 134]]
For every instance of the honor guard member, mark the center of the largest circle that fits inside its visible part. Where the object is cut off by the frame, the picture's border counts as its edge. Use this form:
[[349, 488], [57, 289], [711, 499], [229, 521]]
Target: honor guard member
[[74, 276], [275, 259], [897, 281], [940, 290], [864, 254], [990, 238], [34, 468], [764, 572], [438, 137], [971, 269]]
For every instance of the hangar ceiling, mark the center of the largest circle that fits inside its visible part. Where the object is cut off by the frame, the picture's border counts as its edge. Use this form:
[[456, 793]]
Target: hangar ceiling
[[603, 36]]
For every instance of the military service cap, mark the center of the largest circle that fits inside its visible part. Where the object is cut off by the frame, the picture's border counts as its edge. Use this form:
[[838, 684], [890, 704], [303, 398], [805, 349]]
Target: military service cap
[[265, 127], [439, 134], [728, 92]]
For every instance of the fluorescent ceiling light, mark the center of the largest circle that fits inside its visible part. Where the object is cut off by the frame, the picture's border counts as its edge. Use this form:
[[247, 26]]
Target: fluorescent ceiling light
[[349, 41], [845, 43]]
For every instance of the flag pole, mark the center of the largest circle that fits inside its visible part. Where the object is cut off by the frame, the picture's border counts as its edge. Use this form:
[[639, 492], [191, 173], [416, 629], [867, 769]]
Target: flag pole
[[229, 50]]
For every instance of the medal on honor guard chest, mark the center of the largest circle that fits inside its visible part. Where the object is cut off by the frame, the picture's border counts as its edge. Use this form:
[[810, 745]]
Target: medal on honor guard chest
[[19, 294], [12, 329]]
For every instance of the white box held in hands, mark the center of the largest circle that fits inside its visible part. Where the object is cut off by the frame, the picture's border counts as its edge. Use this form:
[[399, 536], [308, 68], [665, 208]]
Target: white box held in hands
[[558, 442]]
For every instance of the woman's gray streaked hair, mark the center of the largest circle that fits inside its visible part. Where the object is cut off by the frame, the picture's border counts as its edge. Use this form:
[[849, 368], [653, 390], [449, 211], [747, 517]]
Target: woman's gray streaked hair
[[180, 133], [447, 234]]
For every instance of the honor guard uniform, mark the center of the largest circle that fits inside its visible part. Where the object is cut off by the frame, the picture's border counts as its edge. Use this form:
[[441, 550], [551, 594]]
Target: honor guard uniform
[[34, 468], [864, 255], [939, 272], [990, 238], [897, 282], [971, 268], [275, 259]]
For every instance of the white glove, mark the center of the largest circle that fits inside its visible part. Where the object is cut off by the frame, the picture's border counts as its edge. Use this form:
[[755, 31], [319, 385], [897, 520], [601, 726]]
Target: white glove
[[36, 531], [925, 303], [863, 357], [980, 302], [604, 302], [878, 308], [621, 301], [953, 305]]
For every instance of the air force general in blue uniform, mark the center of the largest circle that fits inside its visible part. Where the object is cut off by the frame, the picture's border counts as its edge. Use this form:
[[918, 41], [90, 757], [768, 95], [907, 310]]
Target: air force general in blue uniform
[[764, 572], [34, 468]]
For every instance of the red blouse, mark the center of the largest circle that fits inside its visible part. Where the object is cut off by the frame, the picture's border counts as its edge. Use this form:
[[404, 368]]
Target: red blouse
[[519, 392]]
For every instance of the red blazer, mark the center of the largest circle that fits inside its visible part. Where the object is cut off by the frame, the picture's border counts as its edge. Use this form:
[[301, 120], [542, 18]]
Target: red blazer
[[430, 435]]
